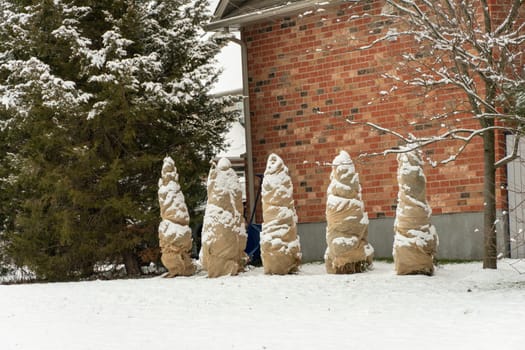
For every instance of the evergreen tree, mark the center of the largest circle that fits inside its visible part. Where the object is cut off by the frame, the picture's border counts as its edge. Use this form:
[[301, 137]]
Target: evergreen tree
[[94, 94]]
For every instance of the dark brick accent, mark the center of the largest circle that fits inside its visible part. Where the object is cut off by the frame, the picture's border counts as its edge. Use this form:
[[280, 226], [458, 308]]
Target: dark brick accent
[[365, 71]]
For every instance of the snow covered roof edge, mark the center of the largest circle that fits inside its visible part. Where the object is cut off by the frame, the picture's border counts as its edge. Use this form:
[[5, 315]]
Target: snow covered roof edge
[[254, 11]]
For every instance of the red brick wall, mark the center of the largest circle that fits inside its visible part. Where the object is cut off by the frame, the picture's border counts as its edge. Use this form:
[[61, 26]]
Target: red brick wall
[[306, 78]]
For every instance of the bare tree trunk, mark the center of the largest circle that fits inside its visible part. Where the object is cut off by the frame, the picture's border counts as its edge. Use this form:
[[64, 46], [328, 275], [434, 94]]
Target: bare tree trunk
[[131, 262], [489, 195]]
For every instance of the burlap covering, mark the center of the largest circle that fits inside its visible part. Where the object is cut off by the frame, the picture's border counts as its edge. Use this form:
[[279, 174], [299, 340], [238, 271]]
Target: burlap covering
[[174, 233], [223, 233], [280, 247], [415, 241], [348, 250]]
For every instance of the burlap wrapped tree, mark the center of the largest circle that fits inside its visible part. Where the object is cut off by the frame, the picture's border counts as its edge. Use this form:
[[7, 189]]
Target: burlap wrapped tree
[[280, 247], [415, 241], [348, 250], [174, 232], [223, 233]]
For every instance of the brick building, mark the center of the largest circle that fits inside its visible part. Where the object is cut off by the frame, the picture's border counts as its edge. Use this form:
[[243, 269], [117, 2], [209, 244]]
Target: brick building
[[305, 76]]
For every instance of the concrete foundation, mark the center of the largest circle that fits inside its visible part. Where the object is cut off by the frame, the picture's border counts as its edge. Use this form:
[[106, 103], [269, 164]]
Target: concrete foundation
[[460, 237]]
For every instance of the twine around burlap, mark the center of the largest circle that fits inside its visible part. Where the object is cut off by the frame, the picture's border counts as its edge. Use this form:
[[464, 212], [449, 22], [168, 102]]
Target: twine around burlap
[[416, 240], [280, 246], [175, 238], [348, 250], [223, 234]]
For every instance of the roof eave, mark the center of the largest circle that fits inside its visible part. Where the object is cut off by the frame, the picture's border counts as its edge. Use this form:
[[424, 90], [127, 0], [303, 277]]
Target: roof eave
[[221, 7], [257, 16]]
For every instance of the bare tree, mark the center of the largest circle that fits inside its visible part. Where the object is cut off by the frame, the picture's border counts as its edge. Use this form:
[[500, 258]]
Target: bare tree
[[475, 48]]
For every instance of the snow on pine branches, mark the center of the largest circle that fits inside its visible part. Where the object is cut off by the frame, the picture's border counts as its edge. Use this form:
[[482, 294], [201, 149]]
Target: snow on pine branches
[[91, 97]]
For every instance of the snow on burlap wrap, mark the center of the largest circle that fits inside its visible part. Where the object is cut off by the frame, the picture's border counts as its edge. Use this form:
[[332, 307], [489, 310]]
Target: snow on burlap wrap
[[280, 247], [223, 234], [348, 250], [415, 240], [174, 232]]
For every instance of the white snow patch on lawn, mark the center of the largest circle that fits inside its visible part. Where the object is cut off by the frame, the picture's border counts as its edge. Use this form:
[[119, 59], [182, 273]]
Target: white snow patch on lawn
[[461, 307]]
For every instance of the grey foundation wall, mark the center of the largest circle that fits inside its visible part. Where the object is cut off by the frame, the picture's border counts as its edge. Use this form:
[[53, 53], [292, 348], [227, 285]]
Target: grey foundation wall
[[460, 237]]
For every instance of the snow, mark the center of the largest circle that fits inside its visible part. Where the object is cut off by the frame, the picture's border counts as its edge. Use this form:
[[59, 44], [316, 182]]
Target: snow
[[418, 237], [217, 215], [346, 241], [172, 229], [309, 310], [278, 231], [226, 180], [223, 185], [364, 220], [172, 199], [369, 250], [343, 159], [276, 180], [406, 168], [224, 164], [282, 214], [279, 217], [339, 203], [420, 204]]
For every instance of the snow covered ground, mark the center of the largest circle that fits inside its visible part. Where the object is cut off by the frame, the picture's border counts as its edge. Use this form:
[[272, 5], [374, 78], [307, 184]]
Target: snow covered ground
[[461, 307]]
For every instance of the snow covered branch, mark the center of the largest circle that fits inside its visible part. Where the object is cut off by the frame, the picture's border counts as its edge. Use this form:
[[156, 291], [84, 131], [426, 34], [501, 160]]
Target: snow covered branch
[[412, 142], [456, 47], [471, 48]]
